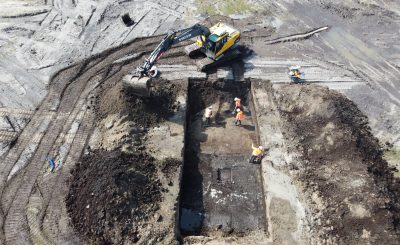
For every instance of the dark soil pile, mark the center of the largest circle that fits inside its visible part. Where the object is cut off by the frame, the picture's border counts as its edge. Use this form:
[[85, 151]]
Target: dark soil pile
[[170, 166], [202, 93], [146, 112], [110, 194], [342, 163], [372, 155]]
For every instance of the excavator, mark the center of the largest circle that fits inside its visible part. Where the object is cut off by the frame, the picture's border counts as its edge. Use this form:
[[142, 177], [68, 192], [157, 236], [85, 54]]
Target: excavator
[[218, 44]]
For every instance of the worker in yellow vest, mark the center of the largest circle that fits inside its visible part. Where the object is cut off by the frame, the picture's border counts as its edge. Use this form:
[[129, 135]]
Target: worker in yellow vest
[[295, 74], [257, 154]]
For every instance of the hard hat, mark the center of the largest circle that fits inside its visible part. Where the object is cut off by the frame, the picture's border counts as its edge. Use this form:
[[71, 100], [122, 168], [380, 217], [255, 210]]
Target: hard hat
[[236, 98], [260, 147], [237, 109]]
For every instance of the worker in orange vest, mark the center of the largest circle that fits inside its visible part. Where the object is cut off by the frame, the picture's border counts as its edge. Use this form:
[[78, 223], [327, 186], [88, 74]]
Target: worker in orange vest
[[257, 154], [239, 117], [238, 104]]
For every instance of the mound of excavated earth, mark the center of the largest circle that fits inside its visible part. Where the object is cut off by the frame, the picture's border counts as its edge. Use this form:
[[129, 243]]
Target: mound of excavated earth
[[118, 189], [351, 192], [110, 193], [323, 178], [144, 112]]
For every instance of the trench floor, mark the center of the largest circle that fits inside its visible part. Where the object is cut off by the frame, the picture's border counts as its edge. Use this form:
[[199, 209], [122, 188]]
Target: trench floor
[[221, 190]]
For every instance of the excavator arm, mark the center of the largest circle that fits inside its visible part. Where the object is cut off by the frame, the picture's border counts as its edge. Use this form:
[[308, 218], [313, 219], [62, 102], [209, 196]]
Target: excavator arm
[[172, 38]]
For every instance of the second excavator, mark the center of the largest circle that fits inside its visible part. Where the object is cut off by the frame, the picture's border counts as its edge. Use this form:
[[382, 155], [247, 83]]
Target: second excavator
[[218, 44]]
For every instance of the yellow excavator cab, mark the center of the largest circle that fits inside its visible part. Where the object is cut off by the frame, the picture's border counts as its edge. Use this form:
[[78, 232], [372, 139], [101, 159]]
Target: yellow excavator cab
[[221, 39]]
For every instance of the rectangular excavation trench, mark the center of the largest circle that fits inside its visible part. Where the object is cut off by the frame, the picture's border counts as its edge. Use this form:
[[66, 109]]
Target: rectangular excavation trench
[[221, 192]]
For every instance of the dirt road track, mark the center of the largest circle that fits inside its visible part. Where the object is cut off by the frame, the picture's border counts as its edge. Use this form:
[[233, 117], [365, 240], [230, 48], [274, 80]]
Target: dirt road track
[[32, 206], [31, 198]]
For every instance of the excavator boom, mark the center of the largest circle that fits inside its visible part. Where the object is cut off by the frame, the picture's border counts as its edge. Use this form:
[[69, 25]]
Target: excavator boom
[[139, 81], [172, 38], [217, 44]]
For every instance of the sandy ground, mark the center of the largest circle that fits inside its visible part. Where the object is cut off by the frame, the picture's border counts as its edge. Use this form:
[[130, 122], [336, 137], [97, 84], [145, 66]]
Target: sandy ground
[[142, 186], [334, 189], [47, 107], [361, 39], [38, 39]]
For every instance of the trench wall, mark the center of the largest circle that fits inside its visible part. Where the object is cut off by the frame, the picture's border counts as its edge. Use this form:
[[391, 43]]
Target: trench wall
[[286, 215], [167, 141], [231, 201], [177, 230]]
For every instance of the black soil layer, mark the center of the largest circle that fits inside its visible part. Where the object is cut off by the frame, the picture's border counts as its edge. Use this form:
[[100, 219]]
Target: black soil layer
[[342, 164], [203, 93], [110, 193], [145, 112], [372, 154], [169, 167]]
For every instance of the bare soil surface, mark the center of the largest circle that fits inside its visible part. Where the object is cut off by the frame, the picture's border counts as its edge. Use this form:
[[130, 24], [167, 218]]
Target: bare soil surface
[[119, 206], [329, 156], [60, 129], [353, 195], [143, 112], [221, 191], [111, 193], [38, 38]]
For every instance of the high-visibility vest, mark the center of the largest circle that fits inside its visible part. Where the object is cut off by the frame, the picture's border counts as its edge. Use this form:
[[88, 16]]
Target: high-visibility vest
[[256, 151], [239, 115]]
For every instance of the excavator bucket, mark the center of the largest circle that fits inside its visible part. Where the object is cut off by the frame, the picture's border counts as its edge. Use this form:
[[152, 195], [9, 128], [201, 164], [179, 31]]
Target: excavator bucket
[[139, 86], [127, 20]]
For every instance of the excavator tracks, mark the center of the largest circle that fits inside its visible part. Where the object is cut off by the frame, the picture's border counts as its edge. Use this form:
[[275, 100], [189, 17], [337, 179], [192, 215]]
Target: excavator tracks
[[207, 63], [193, 50], [32, 199]]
